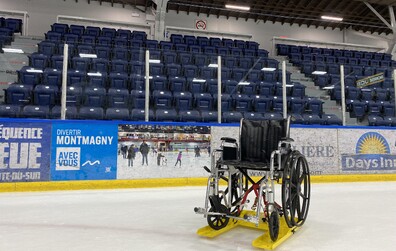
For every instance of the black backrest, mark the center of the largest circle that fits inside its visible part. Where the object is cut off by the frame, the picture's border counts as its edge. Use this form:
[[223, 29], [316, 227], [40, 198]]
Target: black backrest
[[260, 138]]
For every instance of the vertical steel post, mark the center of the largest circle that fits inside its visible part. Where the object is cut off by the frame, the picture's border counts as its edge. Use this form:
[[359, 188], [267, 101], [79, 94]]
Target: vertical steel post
[[343, 94], [219, 89], [64, 81], [284, 97], [147, 88]]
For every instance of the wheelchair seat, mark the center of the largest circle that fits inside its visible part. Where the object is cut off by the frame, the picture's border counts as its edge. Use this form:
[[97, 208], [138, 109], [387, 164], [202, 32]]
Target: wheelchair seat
[[258, 139]]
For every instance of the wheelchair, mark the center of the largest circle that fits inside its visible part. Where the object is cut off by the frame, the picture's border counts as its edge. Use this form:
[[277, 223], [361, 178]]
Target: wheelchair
[[246, 171]]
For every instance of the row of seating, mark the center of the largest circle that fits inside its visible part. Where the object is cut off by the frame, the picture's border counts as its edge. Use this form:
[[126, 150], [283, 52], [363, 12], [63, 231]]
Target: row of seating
[[287, 50], [349, 80], [356, 70], [363, 94], [119, 97], [107, 51], [14, 24], [171, 115], [375, 120], [41, 61], [359, 109]]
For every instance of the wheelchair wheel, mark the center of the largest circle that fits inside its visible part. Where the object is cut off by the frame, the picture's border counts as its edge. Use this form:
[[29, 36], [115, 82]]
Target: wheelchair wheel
[[273, 225], [296, 189], [218, 222]]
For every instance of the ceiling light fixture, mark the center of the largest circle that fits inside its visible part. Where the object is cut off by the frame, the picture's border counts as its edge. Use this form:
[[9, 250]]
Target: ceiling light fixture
[[237, 7], [339, 19]]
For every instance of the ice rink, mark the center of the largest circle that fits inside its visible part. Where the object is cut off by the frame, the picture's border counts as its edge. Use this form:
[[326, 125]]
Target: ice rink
[[347, 216]]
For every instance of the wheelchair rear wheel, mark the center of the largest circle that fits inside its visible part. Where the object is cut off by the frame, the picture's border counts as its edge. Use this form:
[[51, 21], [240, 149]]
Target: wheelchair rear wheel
[[296, 189]]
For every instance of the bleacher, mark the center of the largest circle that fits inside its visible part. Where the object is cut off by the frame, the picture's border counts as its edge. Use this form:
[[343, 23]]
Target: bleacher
[[183, 86], [374, 102]]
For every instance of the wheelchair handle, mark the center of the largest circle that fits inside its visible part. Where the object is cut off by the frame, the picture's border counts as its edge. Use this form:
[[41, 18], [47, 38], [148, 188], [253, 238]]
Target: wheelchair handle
[[228, 140]]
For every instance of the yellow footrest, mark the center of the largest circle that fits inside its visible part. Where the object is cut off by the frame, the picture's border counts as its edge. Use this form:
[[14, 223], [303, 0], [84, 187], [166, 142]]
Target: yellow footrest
[[264, 241]]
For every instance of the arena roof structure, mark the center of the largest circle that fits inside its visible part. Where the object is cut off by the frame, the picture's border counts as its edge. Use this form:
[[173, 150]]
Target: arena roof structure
[[365, 16]]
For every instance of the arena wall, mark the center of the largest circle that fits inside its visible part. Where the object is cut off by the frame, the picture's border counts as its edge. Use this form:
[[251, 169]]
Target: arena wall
[[41, 150]]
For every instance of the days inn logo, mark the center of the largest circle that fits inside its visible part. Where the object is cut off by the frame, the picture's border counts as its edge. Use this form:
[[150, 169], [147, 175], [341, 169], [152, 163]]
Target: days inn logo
[[372, 153]]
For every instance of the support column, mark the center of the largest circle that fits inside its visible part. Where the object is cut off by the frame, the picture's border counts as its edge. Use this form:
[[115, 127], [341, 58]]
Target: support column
[[159, 33]]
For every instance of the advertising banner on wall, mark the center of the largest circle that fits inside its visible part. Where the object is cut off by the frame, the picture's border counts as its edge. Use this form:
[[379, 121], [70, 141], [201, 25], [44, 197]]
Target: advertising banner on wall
[[162, 151], [367, 151], [83, 151], [24, 151]]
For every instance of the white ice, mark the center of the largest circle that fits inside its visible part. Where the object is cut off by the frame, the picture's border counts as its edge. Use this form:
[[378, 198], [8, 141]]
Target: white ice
[[349, 216]]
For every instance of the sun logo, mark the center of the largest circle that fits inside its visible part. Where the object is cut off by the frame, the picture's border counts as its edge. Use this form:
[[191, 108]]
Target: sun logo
[[372, 143]]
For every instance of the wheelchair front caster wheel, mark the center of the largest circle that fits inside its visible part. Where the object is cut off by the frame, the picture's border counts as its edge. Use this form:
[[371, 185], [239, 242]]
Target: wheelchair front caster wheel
[[218, 222], [273, 225]]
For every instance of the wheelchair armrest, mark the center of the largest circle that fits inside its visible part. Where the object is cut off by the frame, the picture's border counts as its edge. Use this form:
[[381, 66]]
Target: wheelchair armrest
[[228, 140], [287, 140]]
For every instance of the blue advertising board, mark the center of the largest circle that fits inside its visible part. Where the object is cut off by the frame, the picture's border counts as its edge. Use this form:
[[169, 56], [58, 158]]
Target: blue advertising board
[[24, 151], [84, 151]]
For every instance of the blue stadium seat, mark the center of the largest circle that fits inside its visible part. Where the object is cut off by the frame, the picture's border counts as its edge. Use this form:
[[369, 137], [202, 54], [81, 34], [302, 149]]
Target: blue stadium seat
[[52, 77], [215, 41], [156, 68], [94, 96], [190, 71], [366, 94], [109, 32], [94, 113], [138, 99], [162, 99], [203, 41], [296, 105], [209, 116], [356, 108], [238, 74], [70, 38], [58, 27], [312, 119], [119, 65], [77, 29], [75, 77], [18, 94], [92, 31], [273, 116], [81, 64], [35, 111], [123, 33], [228, 42], [196, 86], [209, 50], [364, 62], [181, 47], [190, 40], [249, 89], [194, 49], [236, 52], [225, 73], [200, 60], [120, 42], [166, 46], [29, 76], [242, 102], [229, 61], [185, 58], [253, 115], [266, 88], [38, 60], [118, 97], [388, 109], [277, 104], [74, 96], [119, 80], [71, 112], [270, 76], [260, 103], [229, 86], [374, 63], [15, 24], [232, 117], [331, 119], [139, 115], [85, 49], [47, 48], [151, 44], [282, 49], [169, 57], [223, 51], [352, 92], [207, 72], [315, 106], [173, 70], [246, 62], [137, 44], [100, 65], [45, 95], [97, 79], [120, 53], [226, 102], [298, 90], [178, 84], [190, 116], [105, 41], [166, 115], [176, 39], [203, 101], [137, 67], [88, 39], [53, 36], [117, 113], [103, 52], [183, 100], [159, 83], [138, 82]]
